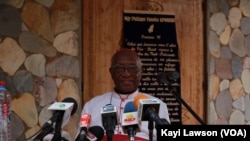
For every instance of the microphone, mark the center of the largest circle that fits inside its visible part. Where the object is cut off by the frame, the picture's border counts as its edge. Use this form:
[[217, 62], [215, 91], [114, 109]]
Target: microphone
[[148, 109], [84, 125], [163, 77], [130, 120], [109, 119], [63, 110], [95, 133], [167, 77]]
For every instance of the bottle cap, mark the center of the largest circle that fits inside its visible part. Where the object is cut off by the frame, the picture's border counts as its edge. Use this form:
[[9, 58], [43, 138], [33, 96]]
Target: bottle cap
[[2, 83]]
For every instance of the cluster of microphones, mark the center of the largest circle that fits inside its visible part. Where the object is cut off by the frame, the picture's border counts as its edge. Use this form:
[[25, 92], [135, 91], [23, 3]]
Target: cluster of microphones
[[141, 109]]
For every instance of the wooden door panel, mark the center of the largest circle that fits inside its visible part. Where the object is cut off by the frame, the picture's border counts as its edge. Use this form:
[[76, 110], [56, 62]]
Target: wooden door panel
[[102, 36]]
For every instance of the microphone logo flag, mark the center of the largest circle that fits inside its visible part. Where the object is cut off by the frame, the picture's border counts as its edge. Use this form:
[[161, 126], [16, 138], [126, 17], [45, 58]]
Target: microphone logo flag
[[85, 120], [144, 104], [129, 118], [108, 108], [91, 137], [149, 101], [63, 106]]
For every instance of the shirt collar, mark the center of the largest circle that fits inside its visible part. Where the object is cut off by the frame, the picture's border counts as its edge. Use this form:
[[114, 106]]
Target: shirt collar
[[128, 96]]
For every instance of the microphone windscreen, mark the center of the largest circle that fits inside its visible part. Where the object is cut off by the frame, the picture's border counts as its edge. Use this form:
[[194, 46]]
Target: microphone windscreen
[[71, 100], [173, 76], [129, 107], [138, 98], [162, 78], [167, 77], [97, 131]]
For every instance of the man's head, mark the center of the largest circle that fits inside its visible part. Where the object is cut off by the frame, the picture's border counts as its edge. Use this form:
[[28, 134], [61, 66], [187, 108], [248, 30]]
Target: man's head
[[125, 70]]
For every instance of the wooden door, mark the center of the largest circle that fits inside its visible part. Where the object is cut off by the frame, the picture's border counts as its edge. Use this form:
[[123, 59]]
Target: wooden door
[[102, 36]]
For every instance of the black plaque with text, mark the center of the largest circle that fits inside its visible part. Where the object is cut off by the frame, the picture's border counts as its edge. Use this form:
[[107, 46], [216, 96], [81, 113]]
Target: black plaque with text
[[153, 37]]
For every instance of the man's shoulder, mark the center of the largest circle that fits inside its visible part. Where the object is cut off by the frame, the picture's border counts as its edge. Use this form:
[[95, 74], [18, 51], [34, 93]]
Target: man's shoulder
[[97, 102], [101, 97]]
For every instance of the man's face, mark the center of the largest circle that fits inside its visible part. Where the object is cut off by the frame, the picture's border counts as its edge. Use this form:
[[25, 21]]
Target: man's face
[[125, 73]]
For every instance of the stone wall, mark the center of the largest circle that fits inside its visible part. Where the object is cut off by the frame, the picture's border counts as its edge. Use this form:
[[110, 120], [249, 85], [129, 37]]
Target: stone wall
[[228, 43], [40, 60]]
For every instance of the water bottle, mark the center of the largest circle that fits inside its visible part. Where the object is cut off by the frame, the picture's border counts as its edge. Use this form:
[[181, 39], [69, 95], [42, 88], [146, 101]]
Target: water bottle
[[5, 111]]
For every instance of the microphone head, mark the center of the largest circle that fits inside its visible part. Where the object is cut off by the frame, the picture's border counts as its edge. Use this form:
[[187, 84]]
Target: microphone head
[[98, 131], [129, 107], [167, 77], [71, 100], [138, 98], [109, 117], [173, 76], [143, 103], [63, 110], [162, 78]]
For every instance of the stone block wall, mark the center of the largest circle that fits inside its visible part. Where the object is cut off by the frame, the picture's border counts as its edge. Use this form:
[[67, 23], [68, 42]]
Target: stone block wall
[[228, 61], [40, 60]]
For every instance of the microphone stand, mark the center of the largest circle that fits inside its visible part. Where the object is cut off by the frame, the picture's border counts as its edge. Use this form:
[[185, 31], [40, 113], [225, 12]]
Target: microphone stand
[[43, 133], [109, 137], [109, 127], [131, 133], [150, 129], [186, 105], [57, 135]]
